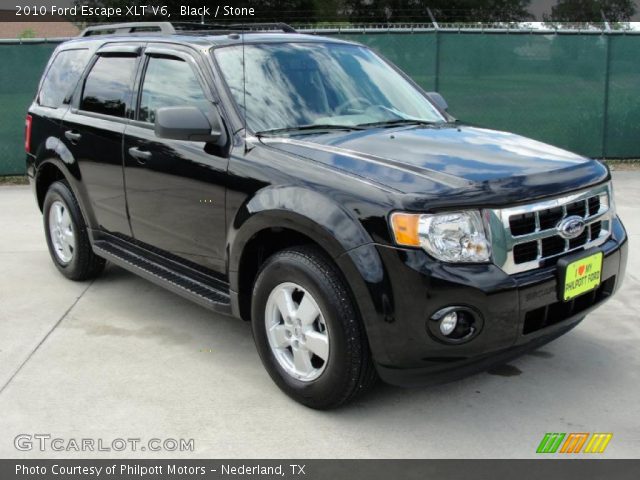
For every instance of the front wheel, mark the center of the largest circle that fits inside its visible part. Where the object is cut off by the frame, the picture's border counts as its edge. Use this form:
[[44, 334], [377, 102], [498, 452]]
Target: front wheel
[[307, 330]]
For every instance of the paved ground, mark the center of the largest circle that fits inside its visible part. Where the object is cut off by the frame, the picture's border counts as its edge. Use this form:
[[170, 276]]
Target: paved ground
[[122, 358]]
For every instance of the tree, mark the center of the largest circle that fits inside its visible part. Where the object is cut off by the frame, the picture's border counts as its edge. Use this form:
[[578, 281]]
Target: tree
[[591, 11], [445, 11], [28, 33], [328, 10]]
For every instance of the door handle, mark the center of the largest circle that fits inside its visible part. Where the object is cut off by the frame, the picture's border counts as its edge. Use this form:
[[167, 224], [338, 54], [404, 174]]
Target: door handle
[[73, 136], [141, 155]]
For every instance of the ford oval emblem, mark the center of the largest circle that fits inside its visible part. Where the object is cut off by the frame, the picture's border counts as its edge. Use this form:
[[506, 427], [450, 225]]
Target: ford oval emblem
[[571, 227]]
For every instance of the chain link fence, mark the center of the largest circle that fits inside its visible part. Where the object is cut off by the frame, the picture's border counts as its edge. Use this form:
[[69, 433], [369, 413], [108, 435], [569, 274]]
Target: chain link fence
[[575, 90]]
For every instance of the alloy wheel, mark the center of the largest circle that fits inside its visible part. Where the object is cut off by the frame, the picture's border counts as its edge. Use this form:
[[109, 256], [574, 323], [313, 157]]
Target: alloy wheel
[[297, 332], [61, 231]]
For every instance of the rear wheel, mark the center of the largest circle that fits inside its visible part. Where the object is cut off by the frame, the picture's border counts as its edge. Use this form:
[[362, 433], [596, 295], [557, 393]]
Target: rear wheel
[[67, 236], [307, 330]]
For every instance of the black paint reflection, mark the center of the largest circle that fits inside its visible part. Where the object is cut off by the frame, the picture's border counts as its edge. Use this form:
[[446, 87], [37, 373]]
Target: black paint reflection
[[288, 85], [108, 86]]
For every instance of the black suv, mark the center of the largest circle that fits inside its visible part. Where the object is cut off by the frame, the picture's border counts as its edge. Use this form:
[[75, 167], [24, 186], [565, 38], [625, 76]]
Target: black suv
[[308, 186]]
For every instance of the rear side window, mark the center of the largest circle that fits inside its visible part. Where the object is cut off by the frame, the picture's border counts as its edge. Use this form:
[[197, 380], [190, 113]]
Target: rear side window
[[169, 82], [107, 89], [62, 77]]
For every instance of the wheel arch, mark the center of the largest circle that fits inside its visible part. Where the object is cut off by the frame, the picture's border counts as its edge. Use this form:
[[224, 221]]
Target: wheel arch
[[47, 173], [264, 226], [53, 162], [361, 268], [278, 217]]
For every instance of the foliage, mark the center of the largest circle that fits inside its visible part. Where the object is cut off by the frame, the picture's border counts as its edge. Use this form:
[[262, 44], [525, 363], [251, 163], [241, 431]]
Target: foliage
[[591, 11], [445, 11], [28, 33]]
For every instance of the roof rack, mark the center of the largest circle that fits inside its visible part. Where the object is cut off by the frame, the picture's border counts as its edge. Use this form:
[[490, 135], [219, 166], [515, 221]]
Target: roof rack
[[173, 28], [185, 27]]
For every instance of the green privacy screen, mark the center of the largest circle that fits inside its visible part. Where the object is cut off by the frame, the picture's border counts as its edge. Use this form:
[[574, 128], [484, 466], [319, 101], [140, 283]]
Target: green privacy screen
[[622, 137], [576, 91], [550, 88], [20, 69]]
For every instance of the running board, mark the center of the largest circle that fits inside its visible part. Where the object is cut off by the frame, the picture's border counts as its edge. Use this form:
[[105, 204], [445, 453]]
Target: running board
[[188, 287]]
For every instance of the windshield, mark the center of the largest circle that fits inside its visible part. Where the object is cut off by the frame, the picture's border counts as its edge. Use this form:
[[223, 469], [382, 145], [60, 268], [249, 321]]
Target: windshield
[[328, 85]]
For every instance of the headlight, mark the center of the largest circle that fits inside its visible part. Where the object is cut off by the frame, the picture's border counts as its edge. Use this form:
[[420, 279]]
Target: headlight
[[451, 237]]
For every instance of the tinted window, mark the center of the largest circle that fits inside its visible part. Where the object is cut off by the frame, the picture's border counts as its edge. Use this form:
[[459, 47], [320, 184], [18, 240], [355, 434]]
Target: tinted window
[[108, 86], [62, 77], [169, 82]]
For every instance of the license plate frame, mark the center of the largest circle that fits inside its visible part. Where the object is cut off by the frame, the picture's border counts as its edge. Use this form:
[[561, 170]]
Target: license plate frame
[[569, 271]]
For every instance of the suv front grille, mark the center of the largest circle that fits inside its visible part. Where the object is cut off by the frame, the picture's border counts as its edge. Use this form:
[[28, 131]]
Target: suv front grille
[[527, 237], [554, 245]]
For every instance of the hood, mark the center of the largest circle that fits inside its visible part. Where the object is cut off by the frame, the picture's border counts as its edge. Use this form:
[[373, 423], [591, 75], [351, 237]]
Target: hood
[[458, 161]]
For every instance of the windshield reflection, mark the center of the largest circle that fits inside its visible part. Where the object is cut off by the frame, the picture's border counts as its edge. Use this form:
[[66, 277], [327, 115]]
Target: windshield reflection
[[319, 84]]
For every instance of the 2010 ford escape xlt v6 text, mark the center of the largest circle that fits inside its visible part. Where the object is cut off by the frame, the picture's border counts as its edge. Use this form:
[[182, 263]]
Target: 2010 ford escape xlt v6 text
[[306, 185]]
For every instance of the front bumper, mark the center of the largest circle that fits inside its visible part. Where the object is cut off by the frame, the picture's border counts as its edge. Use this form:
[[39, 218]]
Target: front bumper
[[520, 312]]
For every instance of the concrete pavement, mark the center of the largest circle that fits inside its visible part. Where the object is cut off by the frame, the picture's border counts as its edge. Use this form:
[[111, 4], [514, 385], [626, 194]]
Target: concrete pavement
[[122, 358]]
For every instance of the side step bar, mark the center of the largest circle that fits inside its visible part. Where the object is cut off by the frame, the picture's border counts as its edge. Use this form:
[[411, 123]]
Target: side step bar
[[196, 290]]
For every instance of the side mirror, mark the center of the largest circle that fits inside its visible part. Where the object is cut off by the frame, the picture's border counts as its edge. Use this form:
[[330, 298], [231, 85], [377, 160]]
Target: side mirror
[[189, 123], [439, 100]]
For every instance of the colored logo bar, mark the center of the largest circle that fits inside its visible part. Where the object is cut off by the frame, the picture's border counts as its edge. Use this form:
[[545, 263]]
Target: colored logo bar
[[574, 442], [598, 443]]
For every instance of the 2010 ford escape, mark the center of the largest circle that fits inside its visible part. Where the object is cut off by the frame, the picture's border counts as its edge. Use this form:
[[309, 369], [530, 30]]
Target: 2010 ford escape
[[306, 185]]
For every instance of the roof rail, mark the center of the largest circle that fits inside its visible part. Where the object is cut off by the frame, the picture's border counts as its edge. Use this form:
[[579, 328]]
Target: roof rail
[[186, 27], [172, 28], [164, 28]]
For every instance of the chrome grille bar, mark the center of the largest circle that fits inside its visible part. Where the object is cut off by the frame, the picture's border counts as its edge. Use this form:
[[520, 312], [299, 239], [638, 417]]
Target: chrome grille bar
[[504, 241]]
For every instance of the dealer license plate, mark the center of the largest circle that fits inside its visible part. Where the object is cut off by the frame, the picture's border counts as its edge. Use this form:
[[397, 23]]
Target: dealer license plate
[[582, 276]]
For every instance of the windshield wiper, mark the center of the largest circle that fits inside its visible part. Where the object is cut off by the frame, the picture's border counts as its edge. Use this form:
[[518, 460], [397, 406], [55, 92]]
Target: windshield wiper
[[399, 121], [304, 128]]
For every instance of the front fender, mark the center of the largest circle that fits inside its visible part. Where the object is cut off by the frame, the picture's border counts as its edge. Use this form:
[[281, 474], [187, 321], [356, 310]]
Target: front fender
[[332, 227], [296, 208]]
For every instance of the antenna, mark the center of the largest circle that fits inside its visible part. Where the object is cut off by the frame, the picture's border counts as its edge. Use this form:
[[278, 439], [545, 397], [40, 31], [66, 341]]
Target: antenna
[[244, 94], [433, 19]]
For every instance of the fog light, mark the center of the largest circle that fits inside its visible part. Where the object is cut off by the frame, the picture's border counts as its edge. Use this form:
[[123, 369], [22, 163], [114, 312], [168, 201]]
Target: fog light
[[448, 323], [455, 324]]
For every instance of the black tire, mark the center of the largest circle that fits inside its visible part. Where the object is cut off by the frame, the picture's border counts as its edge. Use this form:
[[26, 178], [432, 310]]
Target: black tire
[[349, 369], [84, 264]]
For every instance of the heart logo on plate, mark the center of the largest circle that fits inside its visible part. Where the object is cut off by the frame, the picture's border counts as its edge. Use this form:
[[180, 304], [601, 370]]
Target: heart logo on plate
[[581, 270]]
